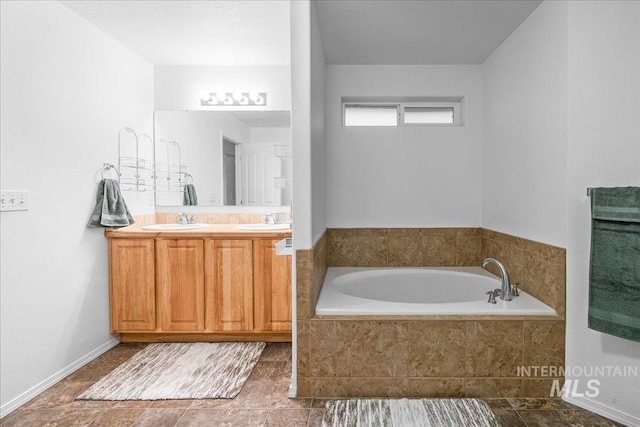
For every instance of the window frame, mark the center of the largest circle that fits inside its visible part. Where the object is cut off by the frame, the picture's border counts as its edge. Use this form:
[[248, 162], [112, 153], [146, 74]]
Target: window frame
[[454, 105], [401, 103]]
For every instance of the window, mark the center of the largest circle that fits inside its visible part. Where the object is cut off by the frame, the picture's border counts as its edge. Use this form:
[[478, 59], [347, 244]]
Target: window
[[371, 115], [429, 115], [402, 112]]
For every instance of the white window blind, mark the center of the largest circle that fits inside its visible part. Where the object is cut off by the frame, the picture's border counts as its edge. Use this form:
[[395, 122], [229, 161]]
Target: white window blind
[[371, 115], [429, 115]]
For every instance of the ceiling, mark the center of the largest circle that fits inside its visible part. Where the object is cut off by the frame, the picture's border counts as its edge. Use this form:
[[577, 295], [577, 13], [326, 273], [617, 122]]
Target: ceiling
[[418, 31], [257, 32], [235, 32]]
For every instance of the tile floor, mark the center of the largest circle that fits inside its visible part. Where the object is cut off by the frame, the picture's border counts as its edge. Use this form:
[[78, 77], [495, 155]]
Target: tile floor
[[262, 402]]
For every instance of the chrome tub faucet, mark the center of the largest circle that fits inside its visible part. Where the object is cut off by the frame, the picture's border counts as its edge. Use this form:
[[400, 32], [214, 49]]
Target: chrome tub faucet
[[505, 291]]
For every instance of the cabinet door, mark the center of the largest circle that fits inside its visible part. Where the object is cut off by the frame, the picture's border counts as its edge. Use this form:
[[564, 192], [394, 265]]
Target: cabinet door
[[272, 287], [132, 285], [180, 280], [229, 278]]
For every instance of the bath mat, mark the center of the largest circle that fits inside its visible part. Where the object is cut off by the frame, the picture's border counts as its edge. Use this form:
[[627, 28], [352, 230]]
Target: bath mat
[[180, 371], [408, 413]]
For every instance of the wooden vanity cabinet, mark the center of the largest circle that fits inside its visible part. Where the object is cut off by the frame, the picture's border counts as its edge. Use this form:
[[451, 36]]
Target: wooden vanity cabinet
[[272, 287], [132, 285], [199, 289], [180, 284], [229, 277]]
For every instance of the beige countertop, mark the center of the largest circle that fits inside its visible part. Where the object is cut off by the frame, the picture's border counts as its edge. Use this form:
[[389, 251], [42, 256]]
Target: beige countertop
[[211, 231]]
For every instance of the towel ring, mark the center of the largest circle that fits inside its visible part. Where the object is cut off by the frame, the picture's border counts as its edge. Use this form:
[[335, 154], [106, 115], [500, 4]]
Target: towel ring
[[187, 177], [109, 166]]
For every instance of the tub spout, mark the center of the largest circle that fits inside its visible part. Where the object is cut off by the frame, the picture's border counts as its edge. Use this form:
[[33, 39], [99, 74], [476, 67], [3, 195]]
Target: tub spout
[[505, 290]]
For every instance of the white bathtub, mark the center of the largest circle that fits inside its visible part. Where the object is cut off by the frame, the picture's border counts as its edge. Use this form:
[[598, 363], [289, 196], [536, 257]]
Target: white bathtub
[[419, 291]]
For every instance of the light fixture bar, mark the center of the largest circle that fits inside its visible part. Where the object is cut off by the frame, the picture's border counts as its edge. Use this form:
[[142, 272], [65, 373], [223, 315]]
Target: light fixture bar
[[234, 99]]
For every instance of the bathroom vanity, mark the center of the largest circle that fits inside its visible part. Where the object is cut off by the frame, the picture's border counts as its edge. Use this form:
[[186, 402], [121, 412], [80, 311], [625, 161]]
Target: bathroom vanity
[[216, 283]]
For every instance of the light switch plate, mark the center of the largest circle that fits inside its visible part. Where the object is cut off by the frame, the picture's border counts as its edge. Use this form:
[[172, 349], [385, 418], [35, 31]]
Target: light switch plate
[[14, 200]]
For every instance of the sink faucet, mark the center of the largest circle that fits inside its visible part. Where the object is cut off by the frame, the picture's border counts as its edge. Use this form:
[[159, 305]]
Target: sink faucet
[[268, 219], [505, 291], [182, 218]]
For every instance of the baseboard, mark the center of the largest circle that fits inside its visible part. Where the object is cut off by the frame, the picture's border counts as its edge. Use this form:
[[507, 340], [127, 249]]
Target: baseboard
[[600, 409], [20, 400]]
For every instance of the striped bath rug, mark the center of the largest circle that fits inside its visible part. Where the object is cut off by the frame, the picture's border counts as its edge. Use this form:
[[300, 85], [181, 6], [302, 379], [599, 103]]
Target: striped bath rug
[[180, 371], [408, 413]]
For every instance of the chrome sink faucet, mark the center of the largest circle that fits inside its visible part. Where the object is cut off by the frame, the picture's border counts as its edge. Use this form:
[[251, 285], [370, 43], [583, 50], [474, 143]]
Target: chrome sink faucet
[[184, 219], [269, 219], [505, 291]]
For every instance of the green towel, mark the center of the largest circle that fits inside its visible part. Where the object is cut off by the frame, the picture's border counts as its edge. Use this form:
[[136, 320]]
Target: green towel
[[189, 198], [614, 275], [110, 210]]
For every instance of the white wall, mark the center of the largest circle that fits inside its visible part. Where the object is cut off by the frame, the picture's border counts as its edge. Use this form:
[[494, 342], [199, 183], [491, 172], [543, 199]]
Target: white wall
[[318, 143], [67, 89], [199, 135], [281, 136], [603, 150], [179, 87], [416, 176], [301, 125], [524, 161]]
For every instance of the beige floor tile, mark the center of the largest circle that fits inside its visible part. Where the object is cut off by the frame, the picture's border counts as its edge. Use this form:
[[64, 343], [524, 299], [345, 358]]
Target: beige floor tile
[[244, 418], [202, 418], [287, 418], [120, 417], [159, 417]]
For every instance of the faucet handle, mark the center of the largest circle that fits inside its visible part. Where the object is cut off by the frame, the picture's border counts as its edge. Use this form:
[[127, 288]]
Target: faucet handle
[[514, 290], [492, 297]]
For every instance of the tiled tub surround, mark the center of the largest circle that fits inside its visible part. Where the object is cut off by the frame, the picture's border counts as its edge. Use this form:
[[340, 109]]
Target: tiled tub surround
[[416, 356], [537, 267]]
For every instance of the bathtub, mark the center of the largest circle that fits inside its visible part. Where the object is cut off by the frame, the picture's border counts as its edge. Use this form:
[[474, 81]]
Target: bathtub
[[419, 291]]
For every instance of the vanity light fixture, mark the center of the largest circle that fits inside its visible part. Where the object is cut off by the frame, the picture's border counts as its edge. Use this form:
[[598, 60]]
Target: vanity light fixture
[[235, 98]]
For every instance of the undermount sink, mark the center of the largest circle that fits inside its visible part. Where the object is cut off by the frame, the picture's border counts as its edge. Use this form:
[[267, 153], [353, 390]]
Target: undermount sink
[[263, 227], [173, 227]]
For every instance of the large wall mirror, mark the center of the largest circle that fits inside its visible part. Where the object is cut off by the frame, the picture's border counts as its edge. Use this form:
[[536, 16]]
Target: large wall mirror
[[232, 158]]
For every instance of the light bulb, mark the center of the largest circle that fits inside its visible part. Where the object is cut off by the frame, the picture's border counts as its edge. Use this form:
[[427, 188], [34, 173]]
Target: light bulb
[[221, 96], [205, 96], [238, 96], [254, 96]]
